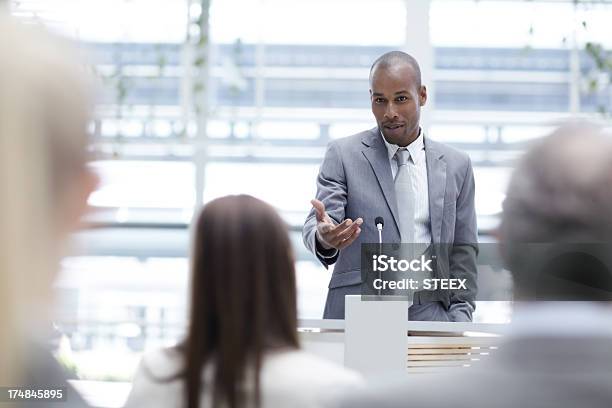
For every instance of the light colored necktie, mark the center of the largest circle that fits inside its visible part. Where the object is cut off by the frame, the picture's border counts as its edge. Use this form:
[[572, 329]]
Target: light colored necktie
[[405, 196]]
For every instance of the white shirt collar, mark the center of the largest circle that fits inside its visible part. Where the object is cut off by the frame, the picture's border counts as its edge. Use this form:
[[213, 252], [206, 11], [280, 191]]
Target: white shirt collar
[[414, 147]]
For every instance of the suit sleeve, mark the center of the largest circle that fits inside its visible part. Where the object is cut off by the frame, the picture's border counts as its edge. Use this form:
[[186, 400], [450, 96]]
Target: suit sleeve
[[332, 192], [463, 254]]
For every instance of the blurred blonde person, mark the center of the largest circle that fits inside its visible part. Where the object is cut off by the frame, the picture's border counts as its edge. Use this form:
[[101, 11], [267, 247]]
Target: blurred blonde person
[[44, 186]]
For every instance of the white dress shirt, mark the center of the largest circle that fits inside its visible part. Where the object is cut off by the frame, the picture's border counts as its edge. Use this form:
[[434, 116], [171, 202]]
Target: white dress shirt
[[417, 166]]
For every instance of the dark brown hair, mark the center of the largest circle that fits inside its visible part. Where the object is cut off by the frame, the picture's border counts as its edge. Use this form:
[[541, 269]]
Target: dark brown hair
[[243, 298]]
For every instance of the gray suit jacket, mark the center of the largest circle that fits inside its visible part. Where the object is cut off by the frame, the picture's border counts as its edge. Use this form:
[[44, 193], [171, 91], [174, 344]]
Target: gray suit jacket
[[555, 372], [355, 180]]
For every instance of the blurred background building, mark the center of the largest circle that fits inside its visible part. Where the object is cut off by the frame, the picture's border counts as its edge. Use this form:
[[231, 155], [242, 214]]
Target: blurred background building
[[200, 98]]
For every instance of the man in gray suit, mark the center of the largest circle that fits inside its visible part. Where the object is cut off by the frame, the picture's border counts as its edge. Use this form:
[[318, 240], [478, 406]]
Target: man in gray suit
[[556, 354], [357, 182]]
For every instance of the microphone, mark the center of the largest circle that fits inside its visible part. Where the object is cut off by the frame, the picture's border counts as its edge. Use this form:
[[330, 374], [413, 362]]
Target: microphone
[[380, 223]]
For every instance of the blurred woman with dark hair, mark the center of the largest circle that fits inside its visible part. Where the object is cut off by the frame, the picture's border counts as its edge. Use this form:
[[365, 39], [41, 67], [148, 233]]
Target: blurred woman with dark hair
[[242, 347]]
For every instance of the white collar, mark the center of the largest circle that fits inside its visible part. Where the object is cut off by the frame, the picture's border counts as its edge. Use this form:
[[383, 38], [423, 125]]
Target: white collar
[[416, 146]]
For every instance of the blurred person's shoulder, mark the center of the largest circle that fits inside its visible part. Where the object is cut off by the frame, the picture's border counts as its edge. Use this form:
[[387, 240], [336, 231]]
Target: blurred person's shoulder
[[300, 363], [162, 362], [156, 381], [288, 378], [43, 371], [419, 390], [300, 379]]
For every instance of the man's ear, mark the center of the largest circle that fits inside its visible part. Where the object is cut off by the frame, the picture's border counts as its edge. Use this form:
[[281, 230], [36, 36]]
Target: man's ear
[[422, 95]]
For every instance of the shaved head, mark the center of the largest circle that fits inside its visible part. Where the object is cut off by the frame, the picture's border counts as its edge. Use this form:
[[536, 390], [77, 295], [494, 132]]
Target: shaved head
[[396, 95], [395, 59]]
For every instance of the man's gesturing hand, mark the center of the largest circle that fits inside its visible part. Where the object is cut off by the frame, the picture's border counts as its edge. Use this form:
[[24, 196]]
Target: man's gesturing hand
[[331, 235]]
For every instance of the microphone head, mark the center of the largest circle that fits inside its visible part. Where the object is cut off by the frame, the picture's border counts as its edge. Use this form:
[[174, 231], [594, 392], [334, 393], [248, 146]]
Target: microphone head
[[379, 220]]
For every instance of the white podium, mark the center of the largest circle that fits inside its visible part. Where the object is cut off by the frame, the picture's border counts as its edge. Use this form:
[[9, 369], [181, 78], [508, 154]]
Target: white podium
[[375, 336], [379, 338]]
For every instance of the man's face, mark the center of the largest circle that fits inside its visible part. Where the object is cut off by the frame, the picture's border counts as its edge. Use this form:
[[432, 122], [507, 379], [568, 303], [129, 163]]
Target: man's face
[[396, 103]]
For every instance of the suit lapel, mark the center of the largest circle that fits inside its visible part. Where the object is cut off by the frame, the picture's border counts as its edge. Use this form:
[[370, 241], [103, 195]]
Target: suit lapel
[[376, 154], [436, 187]]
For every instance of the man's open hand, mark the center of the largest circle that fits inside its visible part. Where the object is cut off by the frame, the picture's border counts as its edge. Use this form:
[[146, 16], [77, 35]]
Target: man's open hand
[[331, 235]]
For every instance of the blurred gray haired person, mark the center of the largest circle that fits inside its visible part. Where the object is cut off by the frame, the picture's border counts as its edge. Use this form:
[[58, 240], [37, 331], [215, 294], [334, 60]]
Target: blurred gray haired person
[[555, 233], [44, 186]]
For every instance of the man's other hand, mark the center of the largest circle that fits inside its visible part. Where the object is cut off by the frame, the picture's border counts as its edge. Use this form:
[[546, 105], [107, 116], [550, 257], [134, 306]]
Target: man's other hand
[[331, 235]]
